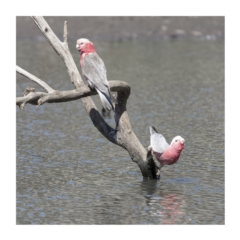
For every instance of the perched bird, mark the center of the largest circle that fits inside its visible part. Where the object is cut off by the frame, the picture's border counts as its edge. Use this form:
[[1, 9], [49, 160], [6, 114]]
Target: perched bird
[[165, 154], [94, 71]]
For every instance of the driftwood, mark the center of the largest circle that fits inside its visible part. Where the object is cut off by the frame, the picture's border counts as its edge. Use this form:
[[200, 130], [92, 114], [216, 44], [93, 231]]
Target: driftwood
[[122, 134]]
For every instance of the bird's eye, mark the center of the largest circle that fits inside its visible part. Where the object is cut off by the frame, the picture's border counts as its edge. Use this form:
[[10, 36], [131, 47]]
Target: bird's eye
[[176, 140], [81, 43]]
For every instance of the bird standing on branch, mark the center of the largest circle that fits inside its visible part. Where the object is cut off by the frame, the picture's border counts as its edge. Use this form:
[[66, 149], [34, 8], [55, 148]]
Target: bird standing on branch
[[94, 71], [165, 154]]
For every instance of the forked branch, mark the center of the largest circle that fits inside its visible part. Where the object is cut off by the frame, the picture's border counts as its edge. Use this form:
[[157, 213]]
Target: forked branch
[[122, 134]]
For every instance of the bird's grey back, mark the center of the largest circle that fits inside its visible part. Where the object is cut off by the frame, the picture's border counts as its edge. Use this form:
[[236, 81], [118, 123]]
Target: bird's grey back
[[157, 141], [94, 69]]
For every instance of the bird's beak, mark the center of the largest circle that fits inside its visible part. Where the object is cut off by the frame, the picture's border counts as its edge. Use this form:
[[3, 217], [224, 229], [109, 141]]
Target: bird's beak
[[77, 46], [183, 141]]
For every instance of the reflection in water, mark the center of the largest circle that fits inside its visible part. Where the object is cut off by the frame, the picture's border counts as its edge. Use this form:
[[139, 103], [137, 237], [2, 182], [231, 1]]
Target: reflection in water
[[167, 205], [171, 208]]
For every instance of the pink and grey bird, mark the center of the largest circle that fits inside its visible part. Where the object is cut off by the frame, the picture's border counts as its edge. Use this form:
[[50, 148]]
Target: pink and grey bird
[[165, 154], [93, 69]]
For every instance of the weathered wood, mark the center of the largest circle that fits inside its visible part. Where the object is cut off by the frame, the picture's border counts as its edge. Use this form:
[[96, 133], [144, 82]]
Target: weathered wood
[[31, 98], [61, 49], [123, 134]]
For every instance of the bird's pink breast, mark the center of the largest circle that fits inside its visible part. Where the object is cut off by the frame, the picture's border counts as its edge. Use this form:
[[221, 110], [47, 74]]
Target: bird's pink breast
[[169, 156]]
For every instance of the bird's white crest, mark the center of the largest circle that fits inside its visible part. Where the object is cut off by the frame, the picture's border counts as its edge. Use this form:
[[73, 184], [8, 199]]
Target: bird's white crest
[[178, 138], [83, 40]]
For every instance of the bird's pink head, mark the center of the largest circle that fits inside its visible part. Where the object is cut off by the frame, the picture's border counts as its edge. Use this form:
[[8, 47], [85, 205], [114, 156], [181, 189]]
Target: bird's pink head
[[178, 143], [85, 46]]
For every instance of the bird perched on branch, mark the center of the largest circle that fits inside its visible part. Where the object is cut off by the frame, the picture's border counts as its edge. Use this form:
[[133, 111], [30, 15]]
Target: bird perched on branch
[[165, 154], [94, 71]]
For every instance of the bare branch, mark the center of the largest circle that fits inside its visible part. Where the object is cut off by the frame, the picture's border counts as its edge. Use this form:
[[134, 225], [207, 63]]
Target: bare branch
[[39, 98], [123, 134], [34, 78], [61, 49], [63, 96], [31, 98]]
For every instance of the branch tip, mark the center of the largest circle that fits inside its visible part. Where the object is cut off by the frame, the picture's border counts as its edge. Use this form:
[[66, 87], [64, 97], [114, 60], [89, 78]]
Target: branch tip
[[65, 32]]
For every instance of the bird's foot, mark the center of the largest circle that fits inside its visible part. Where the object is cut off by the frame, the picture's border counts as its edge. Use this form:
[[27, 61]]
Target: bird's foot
[[149, 148]]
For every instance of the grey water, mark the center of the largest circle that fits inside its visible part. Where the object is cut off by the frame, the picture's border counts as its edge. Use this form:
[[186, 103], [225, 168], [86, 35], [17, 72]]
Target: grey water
[[68, 173]]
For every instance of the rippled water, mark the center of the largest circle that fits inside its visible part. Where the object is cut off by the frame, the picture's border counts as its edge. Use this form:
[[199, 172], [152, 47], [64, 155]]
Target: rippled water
[[68, 173]]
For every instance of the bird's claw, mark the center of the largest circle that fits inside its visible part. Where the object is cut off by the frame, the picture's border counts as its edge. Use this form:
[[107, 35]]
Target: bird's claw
[[149, 148]]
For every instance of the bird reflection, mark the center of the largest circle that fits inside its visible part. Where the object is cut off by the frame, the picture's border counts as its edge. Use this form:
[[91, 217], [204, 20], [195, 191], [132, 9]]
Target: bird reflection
[[165, 204], [171, 208]]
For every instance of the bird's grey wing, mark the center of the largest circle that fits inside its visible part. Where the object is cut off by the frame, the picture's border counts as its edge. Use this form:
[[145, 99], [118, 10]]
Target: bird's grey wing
[[94, 70], [157, 141]]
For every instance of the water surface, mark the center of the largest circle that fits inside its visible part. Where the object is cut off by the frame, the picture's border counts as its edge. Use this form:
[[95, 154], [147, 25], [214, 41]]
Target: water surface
[[68, 173]]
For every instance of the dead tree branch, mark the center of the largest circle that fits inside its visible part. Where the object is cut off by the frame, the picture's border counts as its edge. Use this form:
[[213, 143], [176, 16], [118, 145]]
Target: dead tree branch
[[61, 49], [122, 134], [54, 96]]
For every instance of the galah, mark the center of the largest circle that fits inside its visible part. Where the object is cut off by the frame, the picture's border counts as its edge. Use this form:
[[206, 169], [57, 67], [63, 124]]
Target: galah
[[165, 154], [93, 69]]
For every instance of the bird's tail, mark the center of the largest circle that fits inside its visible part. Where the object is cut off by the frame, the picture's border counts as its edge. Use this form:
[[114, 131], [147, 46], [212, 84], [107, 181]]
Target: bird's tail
[[106, 101], [153, 130]]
